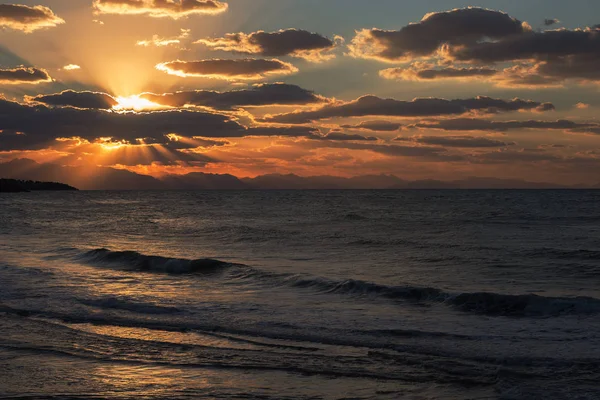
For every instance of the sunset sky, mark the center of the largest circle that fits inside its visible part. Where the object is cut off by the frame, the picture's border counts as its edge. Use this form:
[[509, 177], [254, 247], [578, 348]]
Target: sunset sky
[[433, 89]]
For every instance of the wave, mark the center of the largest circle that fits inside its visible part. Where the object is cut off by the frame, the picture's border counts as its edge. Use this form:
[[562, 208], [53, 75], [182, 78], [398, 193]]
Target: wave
[[141, 262], [485, 303], [527, 305], [117, 303]]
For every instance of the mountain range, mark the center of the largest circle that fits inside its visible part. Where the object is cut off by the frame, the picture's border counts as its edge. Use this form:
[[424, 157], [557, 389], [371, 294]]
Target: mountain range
[[106, 178]]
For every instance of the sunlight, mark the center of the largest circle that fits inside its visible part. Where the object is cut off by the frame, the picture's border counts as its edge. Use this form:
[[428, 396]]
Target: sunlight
[[109, 145], [135, 103]]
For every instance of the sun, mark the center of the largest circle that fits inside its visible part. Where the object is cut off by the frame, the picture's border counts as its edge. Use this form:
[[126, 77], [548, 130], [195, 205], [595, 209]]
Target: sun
[[135, 103]]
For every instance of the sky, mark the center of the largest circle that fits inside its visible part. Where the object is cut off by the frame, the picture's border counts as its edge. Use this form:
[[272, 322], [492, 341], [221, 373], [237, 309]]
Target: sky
[[434, 89]]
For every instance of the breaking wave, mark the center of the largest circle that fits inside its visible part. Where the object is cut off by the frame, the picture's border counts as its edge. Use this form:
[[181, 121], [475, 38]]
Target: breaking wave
[[137, 261], [492, 304]]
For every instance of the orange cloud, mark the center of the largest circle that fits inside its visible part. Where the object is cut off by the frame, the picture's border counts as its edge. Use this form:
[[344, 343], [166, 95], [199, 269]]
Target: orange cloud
[[23, 75], [289, 42], [158, 41], [27, 19], [159, 9], [243, 69]]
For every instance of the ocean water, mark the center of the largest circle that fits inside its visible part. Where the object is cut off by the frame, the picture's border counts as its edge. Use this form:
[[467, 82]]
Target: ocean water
[[300, 295]]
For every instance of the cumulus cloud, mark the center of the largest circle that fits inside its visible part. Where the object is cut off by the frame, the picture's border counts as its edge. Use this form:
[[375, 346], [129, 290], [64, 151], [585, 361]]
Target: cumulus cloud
[[32, 126], [159, 8], [457, 141], [76, 99], [420, 107], [23, 75], [241, 69], [289, 42], [480, 37], [545, 58], [456, 27], [428, 74], [259, 95], [27, 19], [473, 124], [375, 126]]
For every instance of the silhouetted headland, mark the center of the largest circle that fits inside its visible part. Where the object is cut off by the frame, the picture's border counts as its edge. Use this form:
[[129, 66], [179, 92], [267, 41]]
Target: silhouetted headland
[[17, 185]]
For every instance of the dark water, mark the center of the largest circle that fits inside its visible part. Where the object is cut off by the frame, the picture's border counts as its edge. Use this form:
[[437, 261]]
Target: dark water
[[300, 295]]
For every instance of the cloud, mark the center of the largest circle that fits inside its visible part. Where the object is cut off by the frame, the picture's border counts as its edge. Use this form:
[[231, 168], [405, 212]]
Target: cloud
[[582, 106], [478, 37], [457, 141], [376, 126], [23, 75], [289, 42], [471, 124], [242, 69], [548, 57], [27, 19], [427, 74], [34, 126], [259, 95], [158, 41], [159, 8], [426, 153], [457, 27], [420, 107], [71, 67], [71, 98], [344, 136], [551, 21]]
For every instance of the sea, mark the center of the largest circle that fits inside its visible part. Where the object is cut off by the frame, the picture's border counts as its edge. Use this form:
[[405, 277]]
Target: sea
[[407, 294]]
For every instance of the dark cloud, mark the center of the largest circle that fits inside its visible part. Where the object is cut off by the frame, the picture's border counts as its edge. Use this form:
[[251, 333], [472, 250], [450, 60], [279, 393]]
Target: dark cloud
[[471, 124], [457, 141], [242, 69], [542, 46], [289, 42], [551, 21], [456, 27], [23, 75], [547, 58], [375, 126], [27, 19], [35, 126], [259, 95], [479, 36], [421, 107], [159, 8], [427, 74], [77, 99]]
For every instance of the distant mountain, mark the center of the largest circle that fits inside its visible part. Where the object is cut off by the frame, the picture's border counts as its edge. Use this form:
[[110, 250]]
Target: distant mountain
[[295, 182], [202, 181], [85, 178], [104, 178], [17, 185]]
